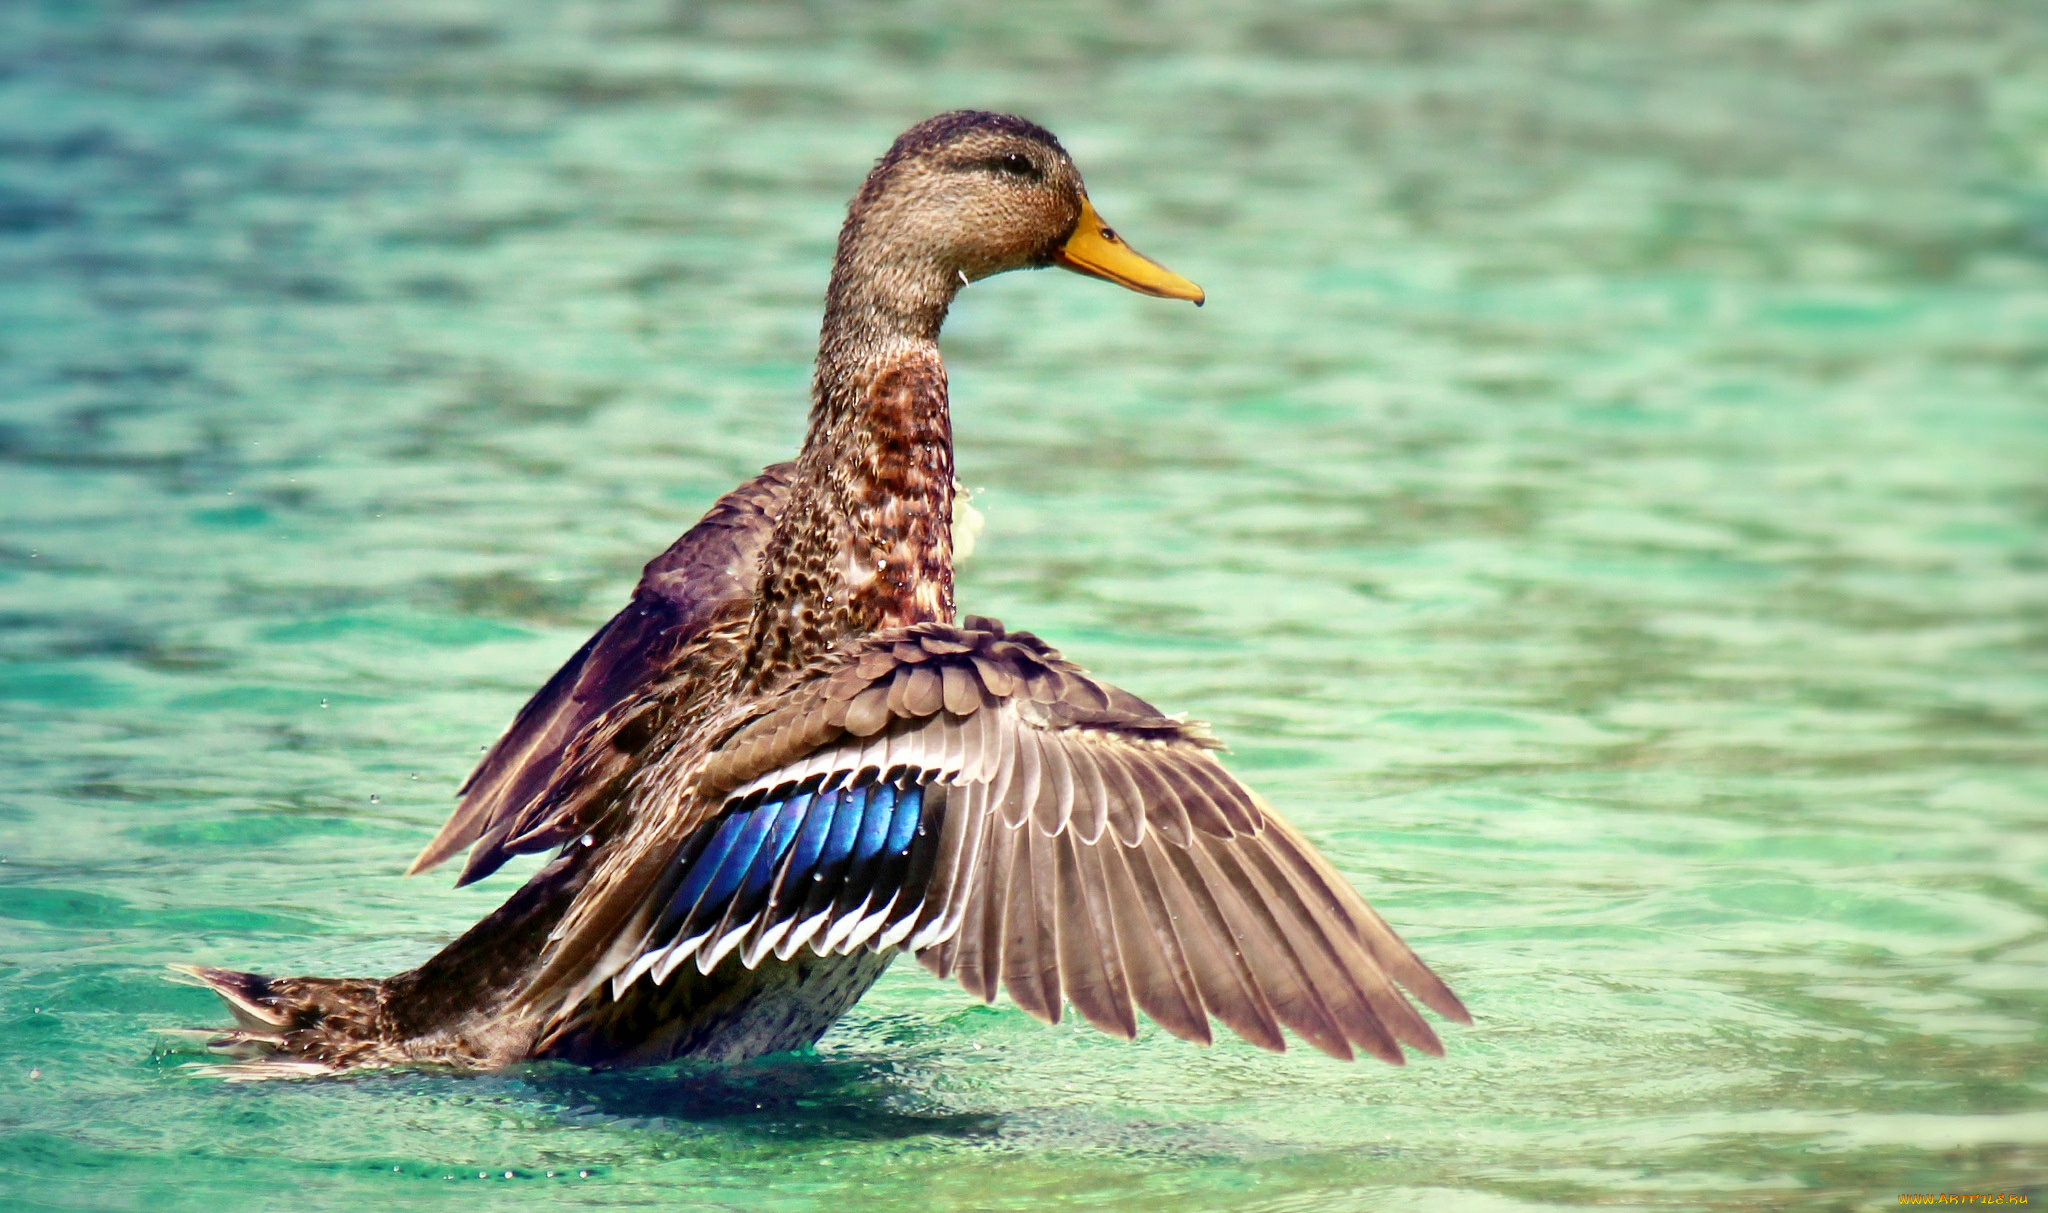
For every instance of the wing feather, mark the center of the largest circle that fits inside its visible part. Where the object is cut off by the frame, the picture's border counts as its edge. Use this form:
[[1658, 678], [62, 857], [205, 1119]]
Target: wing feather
[[1055, 808], [981, 965], [1091, 966], [1030, 972], [1327, 964], [1155, 963], [1020, 798], [511, 802], [1317, 904], [971, 796], [1215, 959], [1266, 953]]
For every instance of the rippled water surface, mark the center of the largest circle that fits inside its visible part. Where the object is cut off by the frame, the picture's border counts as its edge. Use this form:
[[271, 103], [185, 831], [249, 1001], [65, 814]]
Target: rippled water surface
[[1604, 504]]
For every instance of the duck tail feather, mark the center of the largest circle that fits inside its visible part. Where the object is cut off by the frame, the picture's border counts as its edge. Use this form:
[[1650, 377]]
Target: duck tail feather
[[249, 996]]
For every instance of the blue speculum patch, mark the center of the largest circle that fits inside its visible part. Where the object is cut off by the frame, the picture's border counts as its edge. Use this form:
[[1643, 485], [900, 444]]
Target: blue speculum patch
[[794, 842]]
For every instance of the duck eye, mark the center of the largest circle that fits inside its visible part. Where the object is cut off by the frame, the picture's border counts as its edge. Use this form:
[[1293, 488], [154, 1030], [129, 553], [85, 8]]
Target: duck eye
[[1015, 164]]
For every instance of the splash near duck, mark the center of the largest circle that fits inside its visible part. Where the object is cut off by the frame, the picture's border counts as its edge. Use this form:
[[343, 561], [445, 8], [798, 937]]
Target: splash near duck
[[786, 761]]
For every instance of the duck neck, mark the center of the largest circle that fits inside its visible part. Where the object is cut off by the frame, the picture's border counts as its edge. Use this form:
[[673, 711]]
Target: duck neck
[[865, 542]]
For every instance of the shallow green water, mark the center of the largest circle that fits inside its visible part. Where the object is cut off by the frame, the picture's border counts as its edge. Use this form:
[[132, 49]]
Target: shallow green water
[[1604, 504]]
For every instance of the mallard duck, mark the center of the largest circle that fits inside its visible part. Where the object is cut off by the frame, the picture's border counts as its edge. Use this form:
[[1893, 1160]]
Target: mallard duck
[[787, 761]]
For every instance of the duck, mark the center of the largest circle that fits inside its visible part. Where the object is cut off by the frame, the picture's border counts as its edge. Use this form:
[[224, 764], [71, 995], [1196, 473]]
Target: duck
[[788, 760]]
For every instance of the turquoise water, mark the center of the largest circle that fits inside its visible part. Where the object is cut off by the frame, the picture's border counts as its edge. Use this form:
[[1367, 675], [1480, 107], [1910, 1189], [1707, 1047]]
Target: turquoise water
[[1605, 503]]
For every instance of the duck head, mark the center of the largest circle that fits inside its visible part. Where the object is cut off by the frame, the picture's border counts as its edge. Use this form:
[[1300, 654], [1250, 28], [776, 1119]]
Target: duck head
[[967, 195]]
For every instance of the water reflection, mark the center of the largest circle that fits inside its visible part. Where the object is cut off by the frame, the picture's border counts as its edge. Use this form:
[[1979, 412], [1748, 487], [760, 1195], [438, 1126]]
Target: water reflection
[[801, 1098]]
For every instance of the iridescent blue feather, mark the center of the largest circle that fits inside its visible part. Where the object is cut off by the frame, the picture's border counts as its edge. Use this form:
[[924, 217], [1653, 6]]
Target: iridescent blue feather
[[802, 851]]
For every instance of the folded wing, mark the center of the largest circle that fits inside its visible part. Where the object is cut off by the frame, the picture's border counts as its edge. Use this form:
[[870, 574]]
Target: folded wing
[[507, 807]]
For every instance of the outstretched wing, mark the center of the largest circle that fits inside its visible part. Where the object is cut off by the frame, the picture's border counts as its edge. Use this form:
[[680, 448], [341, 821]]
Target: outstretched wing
[[976, 799], [505, 808]]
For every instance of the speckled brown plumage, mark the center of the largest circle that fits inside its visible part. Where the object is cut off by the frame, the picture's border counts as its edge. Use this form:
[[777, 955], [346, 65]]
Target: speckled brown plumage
[[866, 539], [785, 762]]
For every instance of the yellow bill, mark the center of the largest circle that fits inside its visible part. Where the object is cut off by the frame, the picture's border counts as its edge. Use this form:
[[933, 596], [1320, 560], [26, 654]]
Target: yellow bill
[[1097, 251]]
